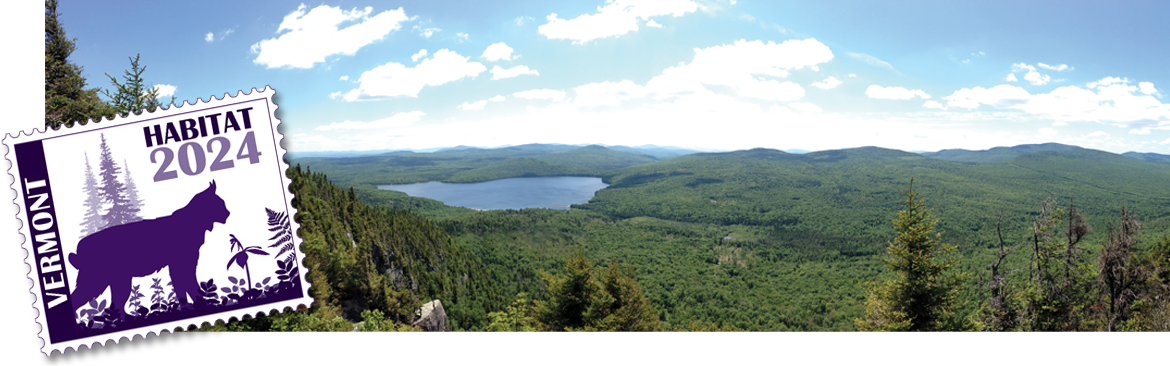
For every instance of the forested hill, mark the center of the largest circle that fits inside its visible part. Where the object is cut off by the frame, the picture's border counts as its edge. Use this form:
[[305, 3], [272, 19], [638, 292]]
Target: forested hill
[[854, 191], [1002, 153], [478, 165], [1148, 156], [362, 257]]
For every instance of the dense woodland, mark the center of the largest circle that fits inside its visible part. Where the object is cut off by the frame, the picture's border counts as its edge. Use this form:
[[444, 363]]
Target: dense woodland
[[1041, 237]]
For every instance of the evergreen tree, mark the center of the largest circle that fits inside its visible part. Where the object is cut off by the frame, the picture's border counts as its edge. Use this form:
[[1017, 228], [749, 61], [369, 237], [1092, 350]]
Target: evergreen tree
[[924, 294], [581, 301], [93, 203], [133, 200], [1058, 294], [571, 298], [66, 98], [1120, 276], [113, 192], [132, 95]]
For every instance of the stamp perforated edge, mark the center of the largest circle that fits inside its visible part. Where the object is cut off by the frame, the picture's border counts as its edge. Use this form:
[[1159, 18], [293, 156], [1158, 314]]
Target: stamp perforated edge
[[10, 140]]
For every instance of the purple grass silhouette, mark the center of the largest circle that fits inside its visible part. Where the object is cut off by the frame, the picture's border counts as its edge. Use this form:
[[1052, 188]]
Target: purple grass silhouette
[[114, 256]]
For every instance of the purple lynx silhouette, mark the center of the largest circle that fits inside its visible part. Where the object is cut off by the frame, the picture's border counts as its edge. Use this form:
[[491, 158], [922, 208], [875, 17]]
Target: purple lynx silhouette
[[113, 256]]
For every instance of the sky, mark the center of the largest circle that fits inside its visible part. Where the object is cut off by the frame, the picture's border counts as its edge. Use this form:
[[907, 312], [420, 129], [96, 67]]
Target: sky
[[702, 74]]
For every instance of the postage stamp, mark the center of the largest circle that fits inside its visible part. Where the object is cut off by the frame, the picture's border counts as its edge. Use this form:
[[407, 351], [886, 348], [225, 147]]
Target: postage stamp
[[157, 221]]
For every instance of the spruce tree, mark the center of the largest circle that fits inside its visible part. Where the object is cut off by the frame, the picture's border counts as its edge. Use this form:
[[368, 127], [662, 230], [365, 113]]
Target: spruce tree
[[1120, 277], [66, 98], [113, 192], [1057, 297], [923, 296], [132, 94], [133, 200], [93, 203]]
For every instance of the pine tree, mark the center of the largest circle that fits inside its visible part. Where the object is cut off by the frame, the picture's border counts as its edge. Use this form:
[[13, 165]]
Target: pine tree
[[66, 98], [112, 191], [924, 294], [133, 200], [93, 203]]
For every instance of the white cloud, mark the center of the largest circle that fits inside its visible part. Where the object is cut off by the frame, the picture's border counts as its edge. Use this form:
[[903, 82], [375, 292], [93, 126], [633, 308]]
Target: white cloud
[[421, 53], [540, 94], [933, 105], [1147, 88], [1033, 76], [165, 90], [521, 20], [343, 77], [607, 93], [1144, 131], [1046, 132], [894, 92], [397, 120], [852, 75], [743, 67], [334, 95], [872, 61], [498, 98], [473, 106], [393, 79], [828, 83], [1036, 78], [1098, 134], [310, 37], [425, 32], [805, 107], [501, 73], [653, 24], [614, 19], [462, 37], [209, 37], [497, 51], [1059, 124], [1011, 77], [1060, 67], [1110, 80], [1022, 66], [1109, 100]]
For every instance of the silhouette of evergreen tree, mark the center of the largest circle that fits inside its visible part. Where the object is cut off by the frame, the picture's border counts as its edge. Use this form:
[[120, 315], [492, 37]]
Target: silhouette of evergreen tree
[[134, 201], [112, 191], [93, 203]]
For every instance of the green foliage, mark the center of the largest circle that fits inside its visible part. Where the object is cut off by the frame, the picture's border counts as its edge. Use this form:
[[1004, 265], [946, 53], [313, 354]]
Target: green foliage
[[1058, 294], [518, 317], [66, 98], [924, 294], [578, 301], [132, 95], [765, 240], [375, 321]]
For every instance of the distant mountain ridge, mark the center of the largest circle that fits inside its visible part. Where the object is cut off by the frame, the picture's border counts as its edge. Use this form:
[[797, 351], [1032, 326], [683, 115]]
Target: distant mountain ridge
[[1157, 158]]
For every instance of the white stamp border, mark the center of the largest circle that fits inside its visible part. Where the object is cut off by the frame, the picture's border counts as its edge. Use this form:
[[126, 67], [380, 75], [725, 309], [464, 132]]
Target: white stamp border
[[11, 140]]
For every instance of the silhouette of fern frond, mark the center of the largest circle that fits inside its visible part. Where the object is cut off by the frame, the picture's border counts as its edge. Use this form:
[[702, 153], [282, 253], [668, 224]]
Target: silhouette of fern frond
[[288, 247]]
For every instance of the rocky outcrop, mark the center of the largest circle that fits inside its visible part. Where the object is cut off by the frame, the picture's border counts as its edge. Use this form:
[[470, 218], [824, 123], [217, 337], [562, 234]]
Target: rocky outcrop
[[431, 317]]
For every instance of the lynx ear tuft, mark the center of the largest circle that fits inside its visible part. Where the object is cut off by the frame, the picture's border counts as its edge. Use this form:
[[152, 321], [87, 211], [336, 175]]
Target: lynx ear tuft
[[212, 188]]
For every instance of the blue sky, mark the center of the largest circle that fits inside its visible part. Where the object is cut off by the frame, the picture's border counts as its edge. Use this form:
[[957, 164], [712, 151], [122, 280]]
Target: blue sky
[[702, 74]]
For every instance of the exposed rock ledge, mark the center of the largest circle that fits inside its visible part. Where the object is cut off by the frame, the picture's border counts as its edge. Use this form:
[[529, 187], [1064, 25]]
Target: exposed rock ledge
[[431, 317]]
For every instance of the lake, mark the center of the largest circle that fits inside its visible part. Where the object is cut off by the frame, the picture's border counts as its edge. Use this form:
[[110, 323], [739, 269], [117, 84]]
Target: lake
[[513, 193]]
